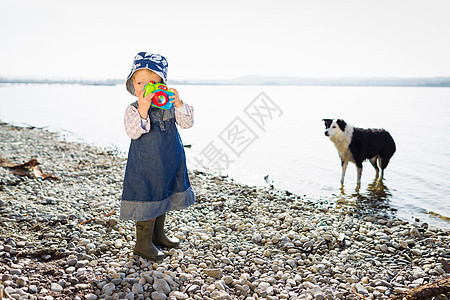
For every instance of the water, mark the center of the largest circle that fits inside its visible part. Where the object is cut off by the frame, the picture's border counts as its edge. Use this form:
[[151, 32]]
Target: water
[[290, 147]]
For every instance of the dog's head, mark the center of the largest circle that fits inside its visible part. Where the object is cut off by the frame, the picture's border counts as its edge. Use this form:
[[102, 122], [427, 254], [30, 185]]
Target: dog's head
[[334, 127]]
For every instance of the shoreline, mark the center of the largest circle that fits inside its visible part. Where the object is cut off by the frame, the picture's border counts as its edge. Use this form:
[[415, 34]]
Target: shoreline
[[252, 80], [62, 239]]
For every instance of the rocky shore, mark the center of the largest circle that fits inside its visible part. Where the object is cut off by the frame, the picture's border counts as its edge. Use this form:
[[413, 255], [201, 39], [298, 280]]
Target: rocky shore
[[61, 238]]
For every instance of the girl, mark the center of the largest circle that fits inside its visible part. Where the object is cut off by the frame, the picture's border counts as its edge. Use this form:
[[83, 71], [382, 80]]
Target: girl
[[156, 179]]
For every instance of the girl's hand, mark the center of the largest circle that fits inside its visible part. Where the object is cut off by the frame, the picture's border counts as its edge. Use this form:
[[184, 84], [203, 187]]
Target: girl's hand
[[144, 103], [175, 99]]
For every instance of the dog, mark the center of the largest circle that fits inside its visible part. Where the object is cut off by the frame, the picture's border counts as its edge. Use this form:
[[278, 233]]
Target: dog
[[358, 144]]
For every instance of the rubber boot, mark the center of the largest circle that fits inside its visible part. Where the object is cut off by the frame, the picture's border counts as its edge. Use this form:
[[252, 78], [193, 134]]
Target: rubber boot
[[160, 238], [144, 246]]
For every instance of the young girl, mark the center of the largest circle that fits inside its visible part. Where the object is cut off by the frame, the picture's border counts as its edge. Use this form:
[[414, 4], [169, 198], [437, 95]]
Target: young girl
[[156, 179]]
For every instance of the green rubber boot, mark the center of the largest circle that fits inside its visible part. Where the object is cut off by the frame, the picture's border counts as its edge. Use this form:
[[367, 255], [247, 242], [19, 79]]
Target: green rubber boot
[[144, 246], [160, 238]]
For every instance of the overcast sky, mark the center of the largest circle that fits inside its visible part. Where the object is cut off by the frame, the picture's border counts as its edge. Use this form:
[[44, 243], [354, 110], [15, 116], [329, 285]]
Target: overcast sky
[[226, 39]]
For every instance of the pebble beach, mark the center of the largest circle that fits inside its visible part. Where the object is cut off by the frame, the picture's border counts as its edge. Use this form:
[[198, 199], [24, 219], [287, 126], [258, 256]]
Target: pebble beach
[[61, 237]]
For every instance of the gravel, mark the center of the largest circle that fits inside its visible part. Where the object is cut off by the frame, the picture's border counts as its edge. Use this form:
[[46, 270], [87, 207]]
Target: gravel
[[62, 239]]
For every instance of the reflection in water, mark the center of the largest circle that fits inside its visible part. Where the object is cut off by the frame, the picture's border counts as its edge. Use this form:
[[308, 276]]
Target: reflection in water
[[375, 200], [432, 213]]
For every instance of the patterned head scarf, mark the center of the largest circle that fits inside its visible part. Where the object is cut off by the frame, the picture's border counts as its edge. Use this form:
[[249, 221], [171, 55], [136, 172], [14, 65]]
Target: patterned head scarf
[[145, 60]]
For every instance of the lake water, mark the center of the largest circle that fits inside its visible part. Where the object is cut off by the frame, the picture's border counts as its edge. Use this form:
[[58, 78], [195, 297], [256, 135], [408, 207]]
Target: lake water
[[249, 132]]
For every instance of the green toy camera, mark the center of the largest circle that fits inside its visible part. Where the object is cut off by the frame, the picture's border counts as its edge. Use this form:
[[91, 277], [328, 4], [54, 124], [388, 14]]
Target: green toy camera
[[162, 93]]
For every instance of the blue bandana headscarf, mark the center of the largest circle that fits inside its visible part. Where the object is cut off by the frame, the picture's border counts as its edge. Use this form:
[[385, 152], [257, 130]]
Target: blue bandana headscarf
[[145, 60]]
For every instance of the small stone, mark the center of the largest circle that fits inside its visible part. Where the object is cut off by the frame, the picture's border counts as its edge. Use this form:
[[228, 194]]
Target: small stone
[[327, 237], [415, 232], [10, 290], [220, 295], [108, 289], [55, 287], [178, 295], [256, 238], [365, 279], [20, 292], [137, 288], [161, 286], [84, 242], [32, 289], [22, 281], [179, 235], [82, 286], [220, 285], [384, 247], [15, 271], [227, 279], [307, 245], [361, 289], [319, 296], [72, 262], [118, 244], [263, 286], [158, 296], [16, 266], [400, 290], [292, 263], [148, 277], [403, 244], [81, 264], [215, 273], [193, 288], [416, 252]]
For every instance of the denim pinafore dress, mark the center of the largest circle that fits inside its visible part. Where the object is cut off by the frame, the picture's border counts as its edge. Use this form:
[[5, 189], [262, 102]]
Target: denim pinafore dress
[[156, 179]]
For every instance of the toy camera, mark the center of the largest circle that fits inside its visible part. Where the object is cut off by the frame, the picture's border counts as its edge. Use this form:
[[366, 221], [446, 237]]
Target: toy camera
[[161, 97]]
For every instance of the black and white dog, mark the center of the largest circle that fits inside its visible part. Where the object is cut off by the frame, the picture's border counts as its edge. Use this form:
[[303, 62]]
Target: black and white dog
[[358, 144]]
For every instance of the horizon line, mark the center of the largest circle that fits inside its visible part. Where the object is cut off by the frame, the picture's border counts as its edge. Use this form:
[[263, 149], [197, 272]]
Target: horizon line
[[436, 81]]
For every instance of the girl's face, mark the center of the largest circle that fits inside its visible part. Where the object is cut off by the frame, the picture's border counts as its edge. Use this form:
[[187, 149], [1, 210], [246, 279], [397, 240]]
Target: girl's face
[[142, 77]]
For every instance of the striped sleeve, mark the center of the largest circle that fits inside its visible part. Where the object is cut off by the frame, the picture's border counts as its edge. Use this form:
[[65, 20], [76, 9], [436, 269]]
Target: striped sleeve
[[184, 120], [134, 127]]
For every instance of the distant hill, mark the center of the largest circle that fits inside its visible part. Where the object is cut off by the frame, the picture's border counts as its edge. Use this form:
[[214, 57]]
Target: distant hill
[[345, 81], [61, 81], [261, 80]]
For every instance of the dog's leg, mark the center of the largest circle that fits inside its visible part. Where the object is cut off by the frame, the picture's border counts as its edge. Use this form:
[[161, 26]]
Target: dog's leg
[[373, 161], [383, 164], [359, 167], [344, 164], [358, 175]]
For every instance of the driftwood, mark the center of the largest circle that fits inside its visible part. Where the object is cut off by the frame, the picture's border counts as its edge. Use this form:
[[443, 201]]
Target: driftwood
[[358, 294], [426, 291], [29, 169]]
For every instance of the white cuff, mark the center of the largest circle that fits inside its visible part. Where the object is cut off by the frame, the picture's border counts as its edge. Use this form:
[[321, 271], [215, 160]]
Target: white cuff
[[143, 122], [183, 109]]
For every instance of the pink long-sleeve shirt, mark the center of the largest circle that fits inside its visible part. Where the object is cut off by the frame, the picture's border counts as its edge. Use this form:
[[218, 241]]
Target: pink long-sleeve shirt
[[135, 126]]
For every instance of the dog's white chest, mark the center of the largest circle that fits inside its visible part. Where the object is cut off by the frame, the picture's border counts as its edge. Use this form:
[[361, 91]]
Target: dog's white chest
[[342, 145]]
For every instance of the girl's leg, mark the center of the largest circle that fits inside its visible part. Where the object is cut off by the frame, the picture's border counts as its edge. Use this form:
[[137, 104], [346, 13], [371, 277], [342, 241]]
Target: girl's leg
[[160, 238], [144, 241]]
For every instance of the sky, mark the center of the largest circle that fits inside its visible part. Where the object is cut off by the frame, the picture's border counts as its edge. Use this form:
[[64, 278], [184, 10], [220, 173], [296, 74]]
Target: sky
[[98, 39]]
